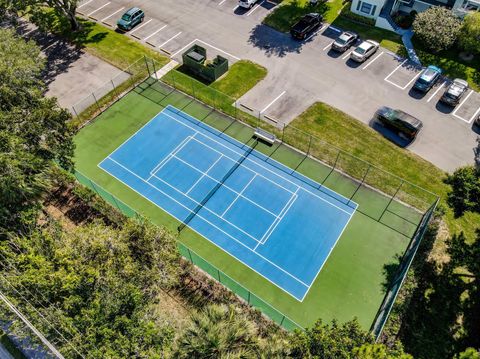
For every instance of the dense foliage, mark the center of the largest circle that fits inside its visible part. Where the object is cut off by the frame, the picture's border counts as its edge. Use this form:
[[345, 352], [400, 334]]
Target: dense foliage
[[469, 38], [465, 193], [437, 28], [33, 133]]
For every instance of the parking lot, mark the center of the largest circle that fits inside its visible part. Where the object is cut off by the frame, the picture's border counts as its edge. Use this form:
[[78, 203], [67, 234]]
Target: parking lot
[[301, 73]]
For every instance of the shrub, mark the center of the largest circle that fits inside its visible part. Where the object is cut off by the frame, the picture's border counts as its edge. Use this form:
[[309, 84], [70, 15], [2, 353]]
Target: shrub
[[469, 39], [357, 18], [437, 28], [465, 193]]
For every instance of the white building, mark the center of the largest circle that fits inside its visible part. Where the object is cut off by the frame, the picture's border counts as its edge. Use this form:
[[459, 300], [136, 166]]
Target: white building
[[381, 10]]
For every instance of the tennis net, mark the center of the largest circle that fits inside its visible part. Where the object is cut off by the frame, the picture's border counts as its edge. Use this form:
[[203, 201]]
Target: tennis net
[[219, 184]]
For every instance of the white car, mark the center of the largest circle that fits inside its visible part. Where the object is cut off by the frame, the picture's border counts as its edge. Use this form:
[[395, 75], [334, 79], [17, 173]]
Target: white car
[[366, 49], [247, 4]]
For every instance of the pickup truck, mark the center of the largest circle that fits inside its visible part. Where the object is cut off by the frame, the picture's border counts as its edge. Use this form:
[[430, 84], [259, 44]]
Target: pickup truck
[[306, 25]]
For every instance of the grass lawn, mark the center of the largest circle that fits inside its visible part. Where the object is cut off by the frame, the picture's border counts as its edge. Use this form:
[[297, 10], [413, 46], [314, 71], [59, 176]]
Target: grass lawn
[[354, 137], [240, 78]]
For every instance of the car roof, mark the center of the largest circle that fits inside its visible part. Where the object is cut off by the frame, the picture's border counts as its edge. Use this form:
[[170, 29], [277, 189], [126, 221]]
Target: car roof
[[430, 72], [457, 87], [346, 35], [132, 10], [405, 117], [366, 45]]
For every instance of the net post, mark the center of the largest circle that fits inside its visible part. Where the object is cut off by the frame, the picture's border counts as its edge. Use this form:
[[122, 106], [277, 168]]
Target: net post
[[391, 200]]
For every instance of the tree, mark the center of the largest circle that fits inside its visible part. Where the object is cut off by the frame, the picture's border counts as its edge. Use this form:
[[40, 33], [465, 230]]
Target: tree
[[465, 193], [380, 351], [218, 332], [437, 28], [325, 341], [65, 8], [469, 353], [34, 134], [469, 38]]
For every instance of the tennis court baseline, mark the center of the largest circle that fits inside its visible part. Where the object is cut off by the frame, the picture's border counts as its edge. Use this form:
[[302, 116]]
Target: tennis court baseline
[[277, 222]]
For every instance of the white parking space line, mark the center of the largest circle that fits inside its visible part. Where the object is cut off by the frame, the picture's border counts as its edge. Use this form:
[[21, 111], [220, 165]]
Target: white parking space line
[[50, 45], [236, 7], [271, 103], [100, 8], [436, 91], [109, 16], [347, 55], [170, 39], [335, 29], [315, 32], [138, 28], [221, 2], [255, 8], [328, 46], [85, 3], [155, 32], [371, 62], [474, 115], [395, 70], [454, 113]]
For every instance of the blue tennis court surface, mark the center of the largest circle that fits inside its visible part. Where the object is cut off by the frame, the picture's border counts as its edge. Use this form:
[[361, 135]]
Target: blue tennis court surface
[[274, 220]]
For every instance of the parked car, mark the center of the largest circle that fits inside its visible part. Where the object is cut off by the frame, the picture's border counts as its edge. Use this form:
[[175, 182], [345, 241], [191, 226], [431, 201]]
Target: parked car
[[344, 41], [247, 4], [454, 92], [130, 19], [363, 51], [306, 25], [400, 121], [427, 79]]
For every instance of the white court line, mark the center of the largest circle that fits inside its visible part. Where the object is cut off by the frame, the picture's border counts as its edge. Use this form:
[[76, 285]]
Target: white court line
[[173, 153], [85, 3], [198, 203], [217, 181], [461, 104], [436, 91], [100, 8], [371, 62], [155, 32], [255, 8], [221, 2], [265, 168], [238, 196], [213, 47], [138, 28], [242, 165], [213, 225], [109, 16], [204, 174], [347, 55], [328, 46], [328, 255], [275, 223], [170, 39], [271, 103]]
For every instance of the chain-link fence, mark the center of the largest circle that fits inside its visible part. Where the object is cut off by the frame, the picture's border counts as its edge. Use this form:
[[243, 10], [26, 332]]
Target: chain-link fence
[[104, 96], [194, 258], [384, 197]]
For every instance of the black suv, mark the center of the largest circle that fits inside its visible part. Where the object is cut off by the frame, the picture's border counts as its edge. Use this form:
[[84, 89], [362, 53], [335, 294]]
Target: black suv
[[400, 121], [344, 41], [306, 25]]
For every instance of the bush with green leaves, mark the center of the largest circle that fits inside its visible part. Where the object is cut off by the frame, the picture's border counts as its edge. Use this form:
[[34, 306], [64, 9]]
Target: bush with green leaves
[[465, 193], [469, 39], [437, 28]]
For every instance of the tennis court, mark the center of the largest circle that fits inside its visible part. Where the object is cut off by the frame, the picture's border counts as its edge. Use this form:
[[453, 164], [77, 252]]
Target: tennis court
[[274, 220]]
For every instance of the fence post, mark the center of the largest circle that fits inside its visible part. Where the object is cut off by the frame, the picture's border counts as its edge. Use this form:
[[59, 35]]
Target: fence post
[[218, 273], [190, 255], [75, 112], [193, 89], [283, 130], [309, 145], [116, 203], [99, 109], [154, 69], [333, 169], [214, 97], [361, 184], [391, 199], [94, 188], [248, 299], [114, 88], [146, 64], [235, 103]]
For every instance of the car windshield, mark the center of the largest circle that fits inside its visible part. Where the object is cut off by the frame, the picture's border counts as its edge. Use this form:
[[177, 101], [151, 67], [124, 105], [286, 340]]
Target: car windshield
[[360, 50], [126, 17], [423, 81], [342, 40], [451, 95]]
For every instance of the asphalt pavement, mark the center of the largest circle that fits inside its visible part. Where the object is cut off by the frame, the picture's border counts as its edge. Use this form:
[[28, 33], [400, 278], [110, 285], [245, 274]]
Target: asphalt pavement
[[301, 73]]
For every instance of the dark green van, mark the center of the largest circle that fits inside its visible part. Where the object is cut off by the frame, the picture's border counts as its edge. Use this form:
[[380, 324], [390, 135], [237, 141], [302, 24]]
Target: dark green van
[[130, 19]]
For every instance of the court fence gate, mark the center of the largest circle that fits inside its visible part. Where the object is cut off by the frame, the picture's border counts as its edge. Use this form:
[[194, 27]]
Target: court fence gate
[[362, 175]]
